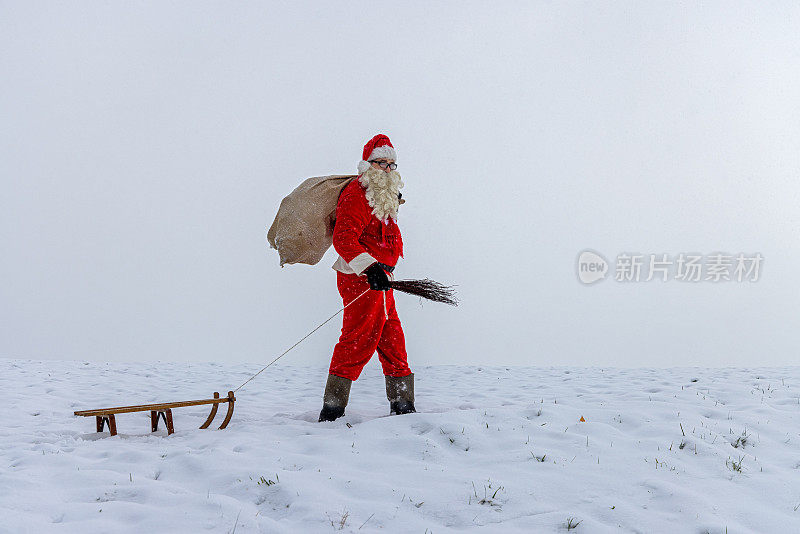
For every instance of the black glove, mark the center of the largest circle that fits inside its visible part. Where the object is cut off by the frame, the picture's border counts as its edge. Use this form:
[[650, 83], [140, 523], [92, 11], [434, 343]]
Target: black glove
[[377, 278]]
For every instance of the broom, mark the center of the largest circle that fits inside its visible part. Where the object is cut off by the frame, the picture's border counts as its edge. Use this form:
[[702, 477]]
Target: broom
[[427, 289]]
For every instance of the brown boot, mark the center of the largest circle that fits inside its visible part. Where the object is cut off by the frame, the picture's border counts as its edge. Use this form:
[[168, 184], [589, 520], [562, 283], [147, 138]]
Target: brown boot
[[337, 393], [400, 392]]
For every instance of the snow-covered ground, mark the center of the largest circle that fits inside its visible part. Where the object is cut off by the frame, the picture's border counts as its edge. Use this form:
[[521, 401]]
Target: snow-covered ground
[[492, 449]]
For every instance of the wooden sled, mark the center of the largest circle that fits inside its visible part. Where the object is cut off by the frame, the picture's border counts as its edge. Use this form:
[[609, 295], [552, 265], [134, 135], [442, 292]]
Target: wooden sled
[[160, 411]]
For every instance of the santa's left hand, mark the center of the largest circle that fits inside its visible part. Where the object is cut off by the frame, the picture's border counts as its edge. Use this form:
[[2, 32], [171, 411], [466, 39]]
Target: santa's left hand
[[377, 278]]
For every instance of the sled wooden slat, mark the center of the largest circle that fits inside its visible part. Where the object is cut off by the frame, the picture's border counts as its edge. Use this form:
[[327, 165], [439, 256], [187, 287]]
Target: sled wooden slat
[[146, 407], [160, 411]]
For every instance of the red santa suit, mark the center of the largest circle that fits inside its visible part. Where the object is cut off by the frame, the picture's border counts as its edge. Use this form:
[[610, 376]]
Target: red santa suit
[[371, 322]]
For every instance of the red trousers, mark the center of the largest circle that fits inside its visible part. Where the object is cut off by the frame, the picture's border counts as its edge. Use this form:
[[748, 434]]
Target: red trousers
[[370, 323]]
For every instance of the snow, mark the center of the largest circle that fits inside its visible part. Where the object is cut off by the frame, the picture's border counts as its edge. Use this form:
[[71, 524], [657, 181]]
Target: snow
[[469, 460]]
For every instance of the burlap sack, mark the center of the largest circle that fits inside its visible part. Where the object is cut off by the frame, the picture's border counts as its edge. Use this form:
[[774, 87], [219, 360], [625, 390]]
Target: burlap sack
[[303, 228]]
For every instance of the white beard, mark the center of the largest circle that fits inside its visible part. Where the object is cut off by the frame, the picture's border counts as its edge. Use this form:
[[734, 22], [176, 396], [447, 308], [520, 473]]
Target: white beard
[[382, 192]]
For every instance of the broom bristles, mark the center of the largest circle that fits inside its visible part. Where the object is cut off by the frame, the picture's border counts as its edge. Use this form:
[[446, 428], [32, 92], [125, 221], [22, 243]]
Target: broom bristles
[[427, 289]]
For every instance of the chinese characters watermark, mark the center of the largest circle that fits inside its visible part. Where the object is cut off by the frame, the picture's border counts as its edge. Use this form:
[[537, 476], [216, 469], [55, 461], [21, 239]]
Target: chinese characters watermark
[[684, 267]]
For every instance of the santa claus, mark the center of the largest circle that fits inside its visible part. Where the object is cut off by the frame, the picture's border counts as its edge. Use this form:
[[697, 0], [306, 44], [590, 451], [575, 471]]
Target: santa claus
[[369, 243]]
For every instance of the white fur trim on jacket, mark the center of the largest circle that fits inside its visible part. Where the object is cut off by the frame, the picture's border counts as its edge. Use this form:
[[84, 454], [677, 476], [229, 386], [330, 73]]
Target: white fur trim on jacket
[[385, 152], [361, 262]]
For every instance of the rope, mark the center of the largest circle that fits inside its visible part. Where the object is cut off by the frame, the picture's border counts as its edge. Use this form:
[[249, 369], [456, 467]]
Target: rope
[[307, 335]]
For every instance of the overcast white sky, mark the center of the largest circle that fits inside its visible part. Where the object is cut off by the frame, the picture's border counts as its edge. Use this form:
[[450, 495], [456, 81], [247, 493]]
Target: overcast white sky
[[145, 147]]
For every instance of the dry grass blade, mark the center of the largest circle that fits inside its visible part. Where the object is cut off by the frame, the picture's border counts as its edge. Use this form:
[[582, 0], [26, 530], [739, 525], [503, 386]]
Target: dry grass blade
[[427, 289]]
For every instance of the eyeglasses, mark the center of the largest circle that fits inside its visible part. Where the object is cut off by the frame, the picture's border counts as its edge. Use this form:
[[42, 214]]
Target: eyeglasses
[[385, 164]]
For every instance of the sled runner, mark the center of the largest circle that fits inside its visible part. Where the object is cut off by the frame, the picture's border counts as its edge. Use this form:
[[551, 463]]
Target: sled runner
[[160, 411]]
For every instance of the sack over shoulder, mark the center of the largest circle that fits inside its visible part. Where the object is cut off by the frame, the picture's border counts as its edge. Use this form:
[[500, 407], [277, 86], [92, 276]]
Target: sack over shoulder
[[303, 228]]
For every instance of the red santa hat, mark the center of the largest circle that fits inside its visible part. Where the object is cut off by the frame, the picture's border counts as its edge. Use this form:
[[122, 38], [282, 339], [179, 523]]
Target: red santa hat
[[376, 148]]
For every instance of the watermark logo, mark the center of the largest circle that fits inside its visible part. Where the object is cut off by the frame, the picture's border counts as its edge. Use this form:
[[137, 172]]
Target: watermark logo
[[591, 267], [683, 267]]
